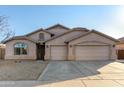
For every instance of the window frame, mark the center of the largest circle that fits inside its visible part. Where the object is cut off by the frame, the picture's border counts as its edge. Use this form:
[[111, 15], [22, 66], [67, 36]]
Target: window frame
[[43, 37], [21, 53]]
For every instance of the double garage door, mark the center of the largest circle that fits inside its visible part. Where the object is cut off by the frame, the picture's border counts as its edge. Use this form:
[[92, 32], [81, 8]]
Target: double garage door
[[81, 52], [92, 52]]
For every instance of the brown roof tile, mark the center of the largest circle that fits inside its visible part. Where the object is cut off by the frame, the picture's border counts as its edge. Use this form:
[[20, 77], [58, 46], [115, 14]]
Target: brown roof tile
[[57, 25], [38, 30], [19, 38]]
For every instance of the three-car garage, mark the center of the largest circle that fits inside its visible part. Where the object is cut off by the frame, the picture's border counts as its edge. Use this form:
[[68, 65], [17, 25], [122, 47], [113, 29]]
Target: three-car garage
[[90, 46]]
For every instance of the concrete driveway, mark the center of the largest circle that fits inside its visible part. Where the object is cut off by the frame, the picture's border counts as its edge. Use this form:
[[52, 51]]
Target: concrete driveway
[[77, 74], [88, 74]]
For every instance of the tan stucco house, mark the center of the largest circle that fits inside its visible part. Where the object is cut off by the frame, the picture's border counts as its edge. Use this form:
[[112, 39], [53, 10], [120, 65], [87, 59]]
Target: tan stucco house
[[120, 48], [61, 43]]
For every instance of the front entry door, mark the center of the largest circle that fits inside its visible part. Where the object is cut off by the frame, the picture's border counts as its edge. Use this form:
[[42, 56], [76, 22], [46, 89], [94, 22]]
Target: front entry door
[[40, 52]]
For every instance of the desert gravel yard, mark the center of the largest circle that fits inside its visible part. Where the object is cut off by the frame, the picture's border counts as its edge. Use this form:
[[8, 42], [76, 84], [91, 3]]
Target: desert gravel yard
[[9, 70]]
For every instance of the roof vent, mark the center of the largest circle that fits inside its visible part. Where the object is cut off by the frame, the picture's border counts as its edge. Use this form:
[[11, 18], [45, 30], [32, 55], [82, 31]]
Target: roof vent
[[80, 28]]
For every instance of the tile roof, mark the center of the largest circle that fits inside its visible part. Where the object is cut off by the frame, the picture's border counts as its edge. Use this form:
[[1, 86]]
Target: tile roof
[[67, 33], [93, 31], [57, 25], [38, 30], [19, 38]]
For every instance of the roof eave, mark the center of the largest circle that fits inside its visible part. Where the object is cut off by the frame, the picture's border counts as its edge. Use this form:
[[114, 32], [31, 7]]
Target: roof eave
[[18, 38], [113, 39], [109, 37], [41, 29]]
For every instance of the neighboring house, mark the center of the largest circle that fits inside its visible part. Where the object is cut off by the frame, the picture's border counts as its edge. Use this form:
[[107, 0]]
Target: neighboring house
[[61, 43], [120, 48]]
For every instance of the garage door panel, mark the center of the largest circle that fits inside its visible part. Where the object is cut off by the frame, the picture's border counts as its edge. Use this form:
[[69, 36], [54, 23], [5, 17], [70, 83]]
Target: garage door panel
[[92, 52], [58, 52]]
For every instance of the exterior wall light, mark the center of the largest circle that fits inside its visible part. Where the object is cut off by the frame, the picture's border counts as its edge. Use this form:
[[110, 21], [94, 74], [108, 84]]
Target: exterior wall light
[[70, 45], [113, 45]]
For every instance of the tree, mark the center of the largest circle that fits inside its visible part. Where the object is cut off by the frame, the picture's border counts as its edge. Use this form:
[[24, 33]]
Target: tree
[[5, 32]]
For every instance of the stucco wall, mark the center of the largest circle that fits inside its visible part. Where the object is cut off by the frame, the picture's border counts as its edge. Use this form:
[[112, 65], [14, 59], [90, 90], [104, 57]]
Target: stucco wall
[[120, 46], [36, 36], [60, 41], [9, 52], [92, 37]]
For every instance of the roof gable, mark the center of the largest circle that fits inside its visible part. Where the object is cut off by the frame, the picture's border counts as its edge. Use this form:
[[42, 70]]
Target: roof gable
[[93, 31], [19, 38], [57, 25], [36, 31], [72, 30]]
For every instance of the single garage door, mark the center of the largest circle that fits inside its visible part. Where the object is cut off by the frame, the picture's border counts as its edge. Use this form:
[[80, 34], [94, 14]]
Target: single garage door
[[92, 52], [59, 52], [120, 54]]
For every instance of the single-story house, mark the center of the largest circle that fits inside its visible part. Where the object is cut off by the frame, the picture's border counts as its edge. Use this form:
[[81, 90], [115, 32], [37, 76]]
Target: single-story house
[[61, 43], [120, 48]]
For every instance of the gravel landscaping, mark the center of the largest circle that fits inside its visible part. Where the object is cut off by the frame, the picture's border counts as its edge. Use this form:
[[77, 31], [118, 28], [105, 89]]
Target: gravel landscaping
[[10, 70]]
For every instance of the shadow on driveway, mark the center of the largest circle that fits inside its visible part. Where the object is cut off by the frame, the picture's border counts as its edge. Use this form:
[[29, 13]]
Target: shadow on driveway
[[62, 71]]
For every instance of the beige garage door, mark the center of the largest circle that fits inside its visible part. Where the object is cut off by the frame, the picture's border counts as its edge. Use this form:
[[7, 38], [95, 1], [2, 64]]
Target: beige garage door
[[58, 52], [92, 52]]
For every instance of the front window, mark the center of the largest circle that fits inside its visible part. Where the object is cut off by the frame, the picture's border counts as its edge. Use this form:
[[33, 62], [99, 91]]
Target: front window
[[20, 49], [41, 36]]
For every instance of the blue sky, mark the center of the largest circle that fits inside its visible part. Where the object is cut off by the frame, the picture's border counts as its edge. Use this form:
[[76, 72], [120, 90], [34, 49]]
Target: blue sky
[[25, 19]]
